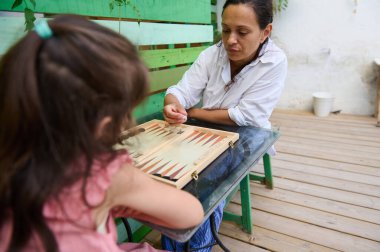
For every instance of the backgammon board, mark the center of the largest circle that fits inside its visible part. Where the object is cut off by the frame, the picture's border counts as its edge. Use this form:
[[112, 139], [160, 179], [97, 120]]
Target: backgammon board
[[174, 154]]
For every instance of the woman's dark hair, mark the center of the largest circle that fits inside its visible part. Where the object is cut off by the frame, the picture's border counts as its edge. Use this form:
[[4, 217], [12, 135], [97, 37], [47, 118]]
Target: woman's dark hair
[[262, 8], [53, 94]]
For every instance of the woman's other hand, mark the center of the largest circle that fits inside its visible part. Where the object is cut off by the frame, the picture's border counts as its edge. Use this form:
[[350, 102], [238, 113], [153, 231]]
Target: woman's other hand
[[175, 113]]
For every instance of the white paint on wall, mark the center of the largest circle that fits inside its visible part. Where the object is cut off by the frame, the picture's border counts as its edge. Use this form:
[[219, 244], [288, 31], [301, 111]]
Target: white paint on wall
[[331, 46]]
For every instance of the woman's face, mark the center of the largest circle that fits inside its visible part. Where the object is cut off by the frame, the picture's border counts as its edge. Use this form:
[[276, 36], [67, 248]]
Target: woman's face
[[241, 33]]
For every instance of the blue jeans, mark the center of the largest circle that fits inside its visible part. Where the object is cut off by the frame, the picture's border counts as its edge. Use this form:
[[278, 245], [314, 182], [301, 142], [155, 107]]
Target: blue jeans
[[202, 237]]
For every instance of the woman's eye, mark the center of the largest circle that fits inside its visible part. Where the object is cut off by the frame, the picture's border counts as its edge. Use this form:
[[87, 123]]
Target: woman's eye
[[243, 33], [225, 31]]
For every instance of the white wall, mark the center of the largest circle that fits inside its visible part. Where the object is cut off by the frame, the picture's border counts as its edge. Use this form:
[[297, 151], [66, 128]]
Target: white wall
[[331, 46]]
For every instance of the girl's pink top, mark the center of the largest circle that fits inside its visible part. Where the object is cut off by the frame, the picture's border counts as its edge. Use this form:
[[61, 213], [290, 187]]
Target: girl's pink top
[[73, 222]]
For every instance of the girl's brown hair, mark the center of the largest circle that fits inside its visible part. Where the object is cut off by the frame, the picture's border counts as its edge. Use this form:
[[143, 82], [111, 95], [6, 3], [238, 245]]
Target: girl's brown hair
[[53, 94]]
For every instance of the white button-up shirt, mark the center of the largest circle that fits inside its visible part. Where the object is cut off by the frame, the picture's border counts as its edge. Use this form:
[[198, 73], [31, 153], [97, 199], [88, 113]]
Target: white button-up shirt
[[250, 97]]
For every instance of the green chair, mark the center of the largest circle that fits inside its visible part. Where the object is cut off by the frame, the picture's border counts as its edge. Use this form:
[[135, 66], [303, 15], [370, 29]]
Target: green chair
[[267, 179], [130, 230], [245, 219]]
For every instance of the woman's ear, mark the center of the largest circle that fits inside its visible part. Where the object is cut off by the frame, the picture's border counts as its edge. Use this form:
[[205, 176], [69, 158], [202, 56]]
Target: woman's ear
[[99, 132], [265, 33]]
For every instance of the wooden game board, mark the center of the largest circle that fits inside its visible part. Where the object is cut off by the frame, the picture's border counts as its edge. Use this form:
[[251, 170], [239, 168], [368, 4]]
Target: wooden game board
[[175, 154]]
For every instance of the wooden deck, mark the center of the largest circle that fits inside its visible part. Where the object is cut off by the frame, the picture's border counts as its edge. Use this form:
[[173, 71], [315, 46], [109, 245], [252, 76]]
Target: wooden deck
[[327, 188]]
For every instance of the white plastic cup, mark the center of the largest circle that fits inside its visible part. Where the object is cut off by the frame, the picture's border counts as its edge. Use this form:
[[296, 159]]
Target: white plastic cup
[[322, 103]]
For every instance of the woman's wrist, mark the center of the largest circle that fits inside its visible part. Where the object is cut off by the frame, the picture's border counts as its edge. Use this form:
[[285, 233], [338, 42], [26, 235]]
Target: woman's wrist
[[192, 113]]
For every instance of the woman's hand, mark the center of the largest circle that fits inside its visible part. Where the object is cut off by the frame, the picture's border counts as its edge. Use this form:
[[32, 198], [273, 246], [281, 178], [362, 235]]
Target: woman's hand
[[175, 113]]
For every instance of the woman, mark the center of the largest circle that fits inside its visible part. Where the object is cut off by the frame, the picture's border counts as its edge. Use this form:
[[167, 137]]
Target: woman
[[239, 80]]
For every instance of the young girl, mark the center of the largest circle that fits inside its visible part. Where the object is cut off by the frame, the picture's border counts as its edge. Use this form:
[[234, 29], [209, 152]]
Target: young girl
[[66, 91]]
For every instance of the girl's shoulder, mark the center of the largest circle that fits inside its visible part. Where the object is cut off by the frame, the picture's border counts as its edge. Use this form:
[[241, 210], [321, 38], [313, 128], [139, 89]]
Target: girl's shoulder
[[103, 170], [109, 167]]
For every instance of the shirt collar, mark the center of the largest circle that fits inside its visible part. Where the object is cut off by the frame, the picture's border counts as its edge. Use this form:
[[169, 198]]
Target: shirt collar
[[267, 52]]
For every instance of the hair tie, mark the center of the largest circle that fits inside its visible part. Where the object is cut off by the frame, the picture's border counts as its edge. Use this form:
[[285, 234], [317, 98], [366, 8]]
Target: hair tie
[[42, 29]]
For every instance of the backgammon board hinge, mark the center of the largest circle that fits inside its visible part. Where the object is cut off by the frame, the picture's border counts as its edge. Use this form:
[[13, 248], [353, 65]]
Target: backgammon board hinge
[[194, 175], [231, 144]]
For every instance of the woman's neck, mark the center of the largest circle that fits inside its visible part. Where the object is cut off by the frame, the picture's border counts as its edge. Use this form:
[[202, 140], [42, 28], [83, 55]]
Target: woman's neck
[[235, 69], [237, 66]]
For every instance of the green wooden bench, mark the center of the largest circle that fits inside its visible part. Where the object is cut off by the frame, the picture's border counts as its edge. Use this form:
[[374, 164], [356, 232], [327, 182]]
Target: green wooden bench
[[245, 219]]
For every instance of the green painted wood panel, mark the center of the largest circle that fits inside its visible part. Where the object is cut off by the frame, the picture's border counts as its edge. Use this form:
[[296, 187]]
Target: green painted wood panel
[[214, 18], [12, 28], [139, 231], [187, 11], [161, 33], [154, 103], [170, 57], [161, 80]]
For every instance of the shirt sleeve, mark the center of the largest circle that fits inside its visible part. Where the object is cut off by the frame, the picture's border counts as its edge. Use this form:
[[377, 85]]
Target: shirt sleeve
[[99, 183], [257, 103], [190, 88]]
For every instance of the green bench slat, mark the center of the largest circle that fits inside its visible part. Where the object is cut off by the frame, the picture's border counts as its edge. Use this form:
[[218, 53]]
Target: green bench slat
[[161, 33], [189, 11], [170, 57], [160, 81], [153, 103], [213, 18], [12, 28], [163, 79]]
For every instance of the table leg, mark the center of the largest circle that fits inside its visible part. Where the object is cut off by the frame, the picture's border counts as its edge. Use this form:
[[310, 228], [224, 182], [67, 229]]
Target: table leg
[[267, 179], [187, 246], [128, 229], [245, 219], [215, 234], [268, 171], [245, 196]]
